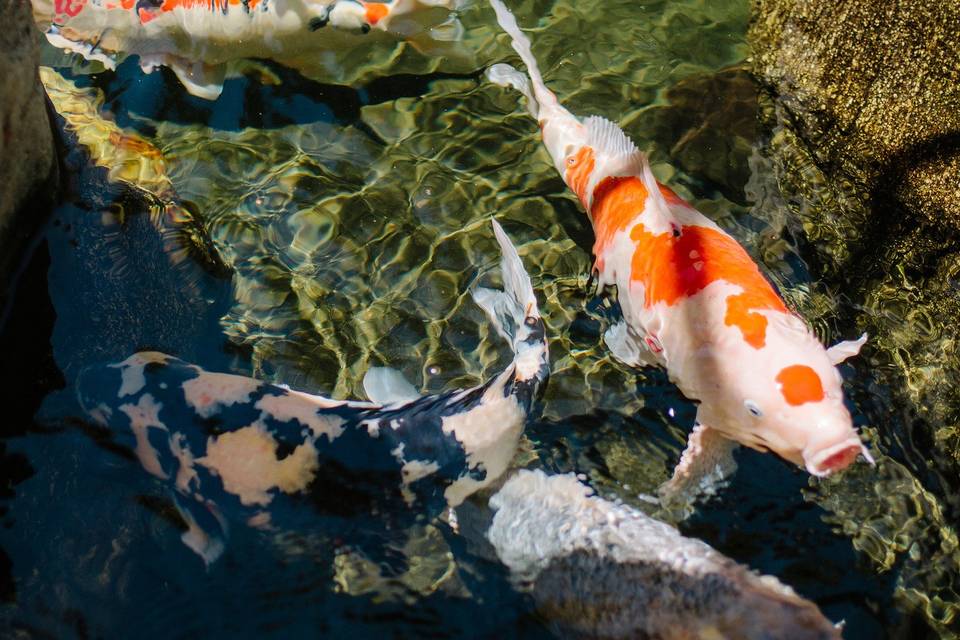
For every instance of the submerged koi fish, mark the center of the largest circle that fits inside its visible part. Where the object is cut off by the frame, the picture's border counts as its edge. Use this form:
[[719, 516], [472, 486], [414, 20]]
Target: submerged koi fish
[[694, 302], [233, 446], [197, 38], [131, 161], [602, 570]]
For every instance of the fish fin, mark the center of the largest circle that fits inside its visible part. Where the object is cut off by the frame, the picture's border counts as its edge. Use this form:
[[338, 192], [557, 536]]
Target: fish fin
[[87, 50], [606, 137], [506, 76], [514, 312], [201, 80], [653, 188], [442, 40], [206, 544], [704, 465], [498, 307], [450, 30], [419, 23], [626, 348], [385, 385], [508, 309], [846, 349], [521, 44], [399, 8]]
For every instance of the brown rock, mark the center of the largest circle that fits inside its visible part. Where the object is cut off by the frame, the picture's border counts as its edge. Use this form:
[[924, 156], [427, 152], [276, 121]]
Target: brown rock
[[873, 88], [27, 154]]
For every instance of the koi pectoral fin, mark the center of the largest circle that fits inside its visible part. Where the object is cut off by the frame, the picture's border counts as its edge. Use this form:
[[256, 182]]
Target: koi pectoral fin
[[846, 349], [385, 385], [626, 348], [705, 464], [199, 79], [506, 76], [206, 529]]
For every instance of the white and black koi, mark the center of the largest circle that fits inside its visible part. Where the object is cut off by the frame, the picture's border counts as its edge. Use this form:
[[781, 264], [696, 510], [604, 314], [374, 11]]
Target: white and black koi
[[236, 447]]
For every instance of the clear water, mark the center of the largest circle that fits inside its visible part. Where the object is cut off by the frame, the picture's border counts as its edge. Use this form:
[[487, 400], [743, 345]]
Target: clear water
[[354, 220]]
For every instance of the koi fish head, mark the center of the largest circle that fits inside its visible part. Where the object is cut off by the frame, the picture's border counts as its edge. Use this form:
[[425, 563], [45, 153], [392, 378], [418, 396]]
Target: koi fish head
[[565, 138], [787, 398]]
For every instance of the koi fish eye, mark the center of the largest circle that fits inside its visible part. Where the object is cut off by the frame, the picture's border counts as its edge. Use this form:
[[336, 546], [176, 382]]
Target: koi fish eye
[[753, 408]]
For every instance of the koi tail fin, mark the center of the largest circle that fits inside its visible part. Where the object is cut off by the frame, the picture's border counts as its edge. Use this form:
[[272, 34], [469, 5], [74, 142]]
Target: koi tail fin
[[521, 45], [514, 312], [506, 76]]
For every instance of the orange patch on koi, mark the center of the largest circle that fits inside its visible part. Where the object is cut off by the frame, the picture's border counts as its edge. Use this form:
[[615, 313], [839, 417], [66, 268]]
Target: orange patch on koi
[[670, 196], [616, 202], [799, 384], [69, 7], [376, 11], [673, 266], [578, 173], [753, 326]]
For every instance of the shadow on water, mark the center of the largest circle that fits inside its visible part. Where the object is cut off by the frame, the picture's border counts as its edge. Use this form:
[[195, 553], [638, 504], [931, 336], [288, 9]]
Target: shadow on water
[[28, 372]]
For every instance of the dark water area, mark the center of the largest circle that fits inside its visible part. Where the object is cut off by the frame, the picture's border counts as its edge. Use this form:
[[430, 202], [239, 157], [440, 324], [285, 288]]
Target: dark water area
[[90, 546], [350, 221]]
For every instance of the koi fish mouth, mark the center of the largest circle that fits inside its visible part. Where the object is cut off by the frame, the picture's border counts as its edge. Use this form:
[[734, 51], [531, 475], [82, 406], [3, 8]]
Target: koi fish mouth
[[837, 457]]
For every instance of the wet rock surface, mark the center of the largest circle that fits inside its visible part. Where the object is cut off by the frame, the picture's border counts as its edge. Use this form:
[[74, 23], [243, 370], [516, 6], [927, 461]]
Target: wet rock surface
[[874, 89], [27, 158], [862, 103]]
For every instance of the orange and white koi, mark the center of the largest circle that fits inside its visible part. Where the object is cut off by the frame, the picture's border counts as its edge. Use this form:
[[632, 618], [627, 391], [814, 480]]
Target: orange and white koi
[[694, 302], [197, 38]]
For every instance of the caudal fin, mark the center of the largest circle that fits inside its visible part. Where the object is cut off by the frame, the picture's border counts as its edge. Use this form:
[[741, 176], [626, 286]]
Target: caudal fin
[[521, 45], [514, 310]]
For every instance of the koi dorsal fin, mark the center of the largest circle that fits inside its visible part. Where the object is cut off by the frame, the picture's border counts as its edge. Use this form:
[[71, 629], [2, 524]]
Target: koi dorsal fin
[[607, 137], [609, 142]]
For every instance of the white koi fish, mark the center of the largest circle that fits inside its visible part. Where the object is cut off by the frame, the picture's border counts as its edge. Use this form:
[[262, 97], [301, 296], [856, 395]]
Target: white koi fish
[[233, 447], [694, 302], [197, 38], [602, 570]]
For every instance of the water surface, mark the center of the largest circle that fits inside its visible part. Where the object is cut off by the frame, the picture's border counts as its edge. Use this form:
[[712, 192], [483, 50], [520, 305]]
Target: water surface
[[354, 220]]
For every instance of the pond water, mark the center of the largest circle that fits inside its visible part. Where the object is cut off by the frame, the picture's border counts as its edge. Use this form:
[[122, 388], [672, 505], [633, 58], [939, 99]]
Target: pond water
[[351, 222]]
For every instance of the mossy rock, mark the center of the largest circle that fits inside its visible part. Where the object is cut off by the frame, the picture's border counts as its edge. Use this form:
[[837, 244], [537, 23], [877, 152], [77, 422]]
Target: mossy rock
[[873, 88]]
